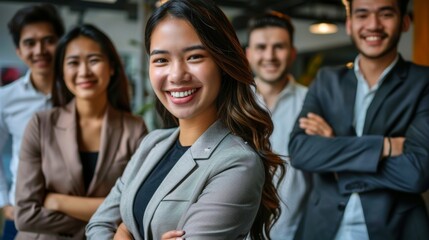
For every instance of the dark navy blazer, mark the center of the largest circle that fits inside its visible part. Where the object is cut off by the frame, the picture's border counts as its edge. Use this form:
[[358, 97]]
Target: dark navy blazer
[[390, 188]]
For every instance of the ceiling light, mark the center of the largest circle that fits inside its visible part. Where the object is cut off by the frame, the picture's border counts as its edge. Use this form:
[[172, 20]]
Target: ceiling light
[[160, 2], [323, 27]]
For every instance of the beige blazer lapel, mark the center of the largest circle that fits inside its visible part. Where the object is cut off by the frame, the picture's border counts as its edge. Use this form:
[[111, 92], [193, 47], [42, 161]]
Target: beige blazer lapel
[[111, 133], [66, 136]]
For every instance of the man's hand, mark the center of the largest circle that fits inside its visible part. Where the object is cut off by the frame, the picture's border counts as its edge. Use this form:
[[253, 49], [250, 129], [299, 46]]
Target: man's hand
[[313, 124], [396, 146], [173, 235], [8, 212], [122, 233]]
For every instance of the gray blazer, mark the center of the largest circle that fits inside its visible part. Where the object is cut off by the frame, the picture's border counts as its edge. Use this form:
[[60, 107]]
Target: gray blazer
[[213, 192], [50, 162]]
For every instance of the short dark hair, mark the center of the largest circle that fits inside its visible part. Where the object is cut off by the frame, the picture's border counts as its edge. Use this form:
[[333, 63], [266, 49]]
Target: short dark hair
[[34, 14], [117, 91], [271, 19], [402, 4]]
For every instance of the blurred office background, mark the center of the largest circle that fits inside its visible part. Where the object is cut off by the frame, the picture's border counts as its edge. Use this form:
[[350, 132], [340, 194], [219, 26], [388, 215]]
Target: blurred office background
[[124, 21]]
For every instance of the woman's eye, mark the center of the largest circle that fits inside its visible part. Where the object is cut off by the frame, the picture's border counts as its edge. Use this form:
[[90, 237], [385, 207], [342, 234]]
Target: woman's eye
[[160, 60], [195, 57], [94, 60], [72, 63]]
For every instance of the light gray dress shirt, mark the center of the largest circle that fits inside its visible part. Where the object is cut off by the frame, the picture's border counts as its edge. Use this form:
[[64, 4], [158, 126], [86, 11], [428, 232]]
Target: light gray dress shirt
[[18, 102], [293, 190], [353, 223]]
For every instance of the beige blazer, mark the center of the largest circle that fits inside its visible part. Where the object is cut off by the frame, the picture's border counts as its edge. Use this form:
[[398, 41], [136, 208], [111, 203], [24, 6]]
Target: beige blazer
[[50, 162], [213, 191]]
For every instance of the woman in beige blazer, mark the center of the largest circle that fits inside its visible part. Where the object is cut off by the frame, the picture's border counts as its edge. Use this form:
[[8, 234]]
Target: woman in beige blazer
[[72, 155], [211, 175]]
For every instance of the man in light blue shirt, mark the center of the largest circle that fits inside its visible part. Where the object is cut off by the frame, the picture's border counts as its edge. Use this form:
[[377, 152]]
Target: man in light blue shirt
[[271, 53], [35, 31]]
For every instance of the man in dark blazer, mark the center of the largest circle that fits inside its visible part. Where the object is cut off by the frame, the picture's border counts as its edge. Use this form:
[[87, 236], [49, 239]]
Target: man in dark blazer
[[364, 132]]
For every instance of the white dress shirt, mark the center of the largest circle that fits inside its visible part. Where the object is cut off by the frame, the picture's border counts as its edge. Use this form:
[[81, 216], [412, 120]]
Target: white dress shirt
[[18, 102]]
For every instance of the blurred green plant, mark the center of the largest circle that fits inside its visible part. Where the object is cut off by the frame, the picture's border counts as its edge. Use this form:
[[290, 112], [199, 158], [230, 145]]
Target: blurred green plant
[[145, 108], [312, 67]]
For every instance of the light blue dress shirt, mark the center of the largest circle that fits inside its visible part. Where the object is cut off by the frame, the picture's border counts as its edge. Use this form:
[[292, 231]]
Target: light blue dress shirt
[[18, 102], [293, 190], [352, 225]]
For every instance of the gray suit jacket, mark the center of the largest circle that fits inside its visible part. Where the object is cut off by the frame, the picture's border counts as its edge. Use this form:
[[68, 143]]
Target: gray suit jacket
[[213, 192], [50, 162]]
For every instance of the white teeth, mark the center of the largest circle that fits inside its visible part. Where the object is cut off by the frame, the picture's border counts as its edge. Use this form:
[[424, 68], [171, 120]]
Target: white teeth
[[373, 38], [183, 94]]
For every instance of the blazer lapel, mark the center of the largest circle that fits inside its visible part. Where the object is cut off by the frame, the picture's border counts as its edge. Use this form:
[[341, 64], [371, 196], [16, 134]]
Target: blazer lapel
[[111, 133], [182, 168], [202, 149], [349, 86], [153, 157], [66, 135], [392, 80]]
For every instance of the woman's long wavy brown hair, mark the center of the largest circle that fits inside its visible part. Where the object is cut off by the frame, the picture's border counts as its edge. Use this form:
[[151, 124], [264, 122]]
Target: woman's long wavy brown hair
[[237, 107]]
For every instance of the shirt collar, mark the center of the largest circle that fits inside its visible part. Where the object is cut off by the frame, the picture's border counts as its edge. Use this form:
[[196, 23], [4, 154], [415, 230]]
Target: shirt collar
[[29, 85], [289, 88], [380, 80], [27, 79]]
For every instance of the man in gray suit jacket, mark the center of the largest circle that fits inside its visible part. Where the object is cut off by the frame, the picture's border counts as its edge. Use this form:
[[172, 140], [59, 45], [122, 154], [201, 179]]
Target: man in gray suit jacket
[[364, 133]]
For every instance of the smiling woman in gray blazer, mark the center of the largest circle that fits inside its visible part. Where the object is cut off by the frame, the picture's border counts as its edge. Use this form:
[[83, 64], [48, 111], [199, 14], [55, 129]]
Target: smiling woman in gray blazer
[[72, 155], [210, 175]]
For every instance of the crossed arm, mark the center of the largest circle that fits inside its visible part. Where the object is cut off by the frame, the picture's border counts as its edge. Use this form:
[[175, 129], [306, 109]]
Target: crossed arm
[[38, 210], [356, 159], [122, 233], [313, 124], [81, 208], [30, 213]]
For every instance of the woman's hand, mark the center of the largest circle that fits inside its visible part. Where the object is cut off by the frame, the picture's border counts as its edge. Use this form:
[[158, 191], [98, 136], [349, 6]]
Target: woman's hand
[[173, 235], [122, 233], [52, 201]]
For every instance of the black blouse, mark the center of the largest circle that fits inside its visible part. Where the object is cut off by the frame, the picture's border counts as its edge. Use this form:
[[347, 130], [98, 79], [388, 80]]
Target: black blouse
[[89, 163]]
